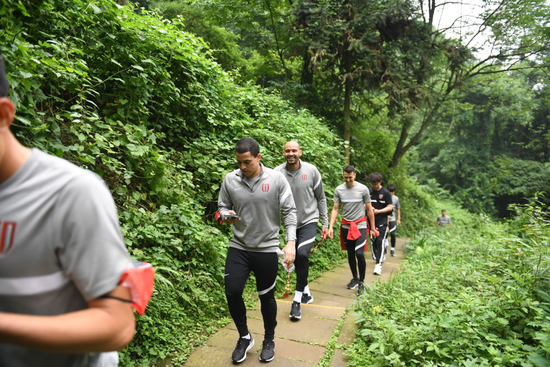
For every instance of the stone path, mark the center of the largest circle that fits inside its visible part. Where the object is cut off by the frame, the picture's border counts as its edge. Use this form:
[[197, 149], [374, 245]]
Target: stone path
[[301, 343]]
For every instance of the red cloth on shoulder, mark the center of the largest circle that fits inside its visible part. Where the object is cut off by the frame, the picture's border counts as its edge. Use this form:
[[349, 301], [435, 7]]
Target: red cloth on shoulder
[[353, 232]]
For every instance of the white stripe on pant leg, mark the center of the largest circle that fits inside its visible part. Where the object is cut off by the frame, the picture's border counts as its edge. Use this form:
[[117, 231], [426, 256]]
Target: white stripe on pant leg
[[361, 245], [261, 293], [384, 244], [306, 242], [393, 229]]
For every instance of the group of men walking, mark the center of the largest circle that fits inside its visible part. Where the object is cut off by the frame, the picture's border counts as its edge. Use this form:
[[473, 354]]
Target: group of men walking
[[251, 199]]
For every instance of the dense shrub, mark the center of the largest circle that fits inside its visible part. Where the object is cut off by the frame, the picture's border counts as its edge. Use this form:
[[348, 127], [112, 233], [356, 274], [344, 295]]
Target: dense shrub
[[473, 295]]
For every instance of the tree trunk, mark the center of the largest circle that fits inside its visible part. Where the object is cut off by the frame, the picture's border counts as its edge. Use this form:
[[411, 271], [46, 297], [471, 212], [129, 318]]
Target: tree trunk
[[401, 148], [307, 77], [347, 104], [399, 152]]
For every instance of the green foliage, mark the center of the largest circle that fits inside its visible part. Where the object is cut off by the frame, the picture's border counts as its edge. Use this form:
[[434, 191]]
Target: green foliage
[[477, 150], [473, 295], [133, 97]]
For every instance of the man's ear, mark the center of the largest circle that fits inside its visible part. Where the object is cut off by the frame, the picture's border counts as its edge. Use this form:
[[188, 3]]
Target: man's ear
[[259, 156], [7, 112]]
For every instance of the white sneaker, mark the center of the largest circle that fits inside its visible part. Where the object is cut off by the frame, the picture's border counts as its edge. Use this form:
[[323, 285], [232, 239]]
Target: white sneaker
[[384, 258], [377, 269]]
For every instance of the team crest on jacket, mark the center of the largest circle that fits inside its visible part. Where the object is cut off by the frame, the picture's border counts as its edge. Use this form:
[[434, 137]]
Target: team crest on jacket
[[7, 234], [380, 196], [265, 187], [304, 177]]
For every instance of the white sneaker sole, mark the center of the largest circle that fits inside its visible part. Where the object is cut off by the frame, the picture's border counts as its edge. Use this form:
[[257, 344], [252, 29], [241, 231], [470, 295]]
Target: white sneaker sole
[[247, 349], [268, 360]]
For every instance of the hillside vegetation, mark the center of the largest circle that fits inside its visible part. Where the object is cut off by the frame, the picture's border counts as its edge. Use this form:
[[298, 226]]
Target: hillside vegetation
[[469, 295], [140, 102]]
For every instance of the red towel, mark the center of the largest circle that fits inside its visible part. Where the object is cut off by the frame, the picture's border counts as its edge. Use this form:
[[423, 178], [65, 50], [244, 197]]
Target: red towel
[[140, 280], [353, 232]]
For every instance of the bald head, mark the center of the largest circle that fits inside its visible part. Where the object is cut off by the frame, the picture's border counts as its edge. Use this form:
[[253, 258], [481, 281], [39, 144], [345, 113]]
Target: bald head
[[292, 144], [292, 154]]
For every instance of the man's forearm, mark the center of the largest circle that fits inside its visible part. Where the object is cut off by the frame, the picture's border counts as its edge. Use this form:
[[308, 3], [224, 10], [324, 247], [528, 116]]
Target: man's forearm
[[370, 215], [106, 326], [333, 216]]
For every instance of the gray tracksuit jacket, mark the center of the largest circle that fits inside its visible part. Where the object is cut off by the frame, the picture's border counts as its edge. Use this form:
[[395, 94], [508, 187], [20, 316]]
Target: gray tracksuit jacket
[[259, 204], [308, 192]]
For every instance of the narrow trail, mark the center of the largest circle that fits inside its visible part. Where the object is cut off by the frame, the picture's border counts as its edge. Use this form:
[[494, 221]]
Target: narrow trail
[[301, 343]]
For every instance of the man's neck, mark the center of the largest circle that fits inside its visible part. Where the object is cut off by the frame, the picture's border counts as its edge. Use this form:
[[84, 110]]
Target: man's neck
[[15, 155], [293, 167]]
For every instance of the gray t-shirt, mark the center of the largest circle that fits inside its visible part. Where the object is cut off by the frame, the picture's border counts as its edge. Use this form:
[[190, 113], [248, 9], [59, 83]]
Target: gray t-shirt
[[444, 219], [309, 194], [396, 205], [352, 202], [259, 203], [60, 247]]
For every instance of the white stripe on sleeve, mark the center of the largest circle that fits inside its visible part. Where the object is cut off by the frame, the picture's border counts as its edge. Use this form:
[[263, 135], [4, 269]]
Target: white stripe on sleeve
[[28, 286]]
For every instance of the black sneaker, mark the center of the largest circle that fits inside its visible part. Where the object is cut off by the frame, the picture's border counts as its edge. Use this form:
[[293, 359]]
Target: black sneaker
[[243, 346], [307, 298], [353, 284], [268, 350], [392, 251], [361, 289], [295, 312]]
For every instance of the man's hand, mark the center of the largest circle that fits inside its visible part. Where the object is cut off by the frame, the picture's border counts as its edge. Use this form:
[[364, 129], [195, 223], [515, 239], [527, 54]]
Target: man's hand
[[374, 233], [331, 233], [231, 220], [324, 233], [399, 222], [290, 252]]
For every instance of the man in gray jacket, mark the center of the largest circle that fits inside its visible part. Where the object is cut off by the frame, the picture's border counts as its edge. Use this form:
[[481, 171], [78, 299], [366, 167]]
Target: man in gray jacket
[[309, 196], [256, 194]]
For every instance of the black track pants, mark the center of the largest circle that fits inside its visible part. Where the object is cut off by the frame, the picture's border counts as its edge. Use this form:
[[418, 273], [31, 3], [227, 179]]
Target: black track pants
[[379, 244], [356, 249], [238, 265], [304, 243], [392, 229]]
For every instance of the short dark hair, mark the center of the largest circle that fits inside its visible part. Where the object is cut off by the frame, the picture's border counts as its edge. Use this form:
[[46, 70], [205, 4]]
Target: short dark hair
[[248, 145], [375, 177], [4, 84], [391, 188], [443, 210], [349, 169]]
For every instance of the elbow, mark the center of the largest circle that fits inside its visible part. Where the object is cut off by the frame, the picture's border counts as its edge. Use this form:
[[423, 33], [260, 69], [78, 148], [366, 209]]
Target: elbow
[[123, 337]]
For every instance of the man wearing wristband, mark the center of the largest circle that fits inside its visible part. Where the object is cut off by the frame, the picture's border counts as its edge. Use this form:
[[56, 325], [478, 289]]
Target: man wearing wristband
[[62, 256]]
